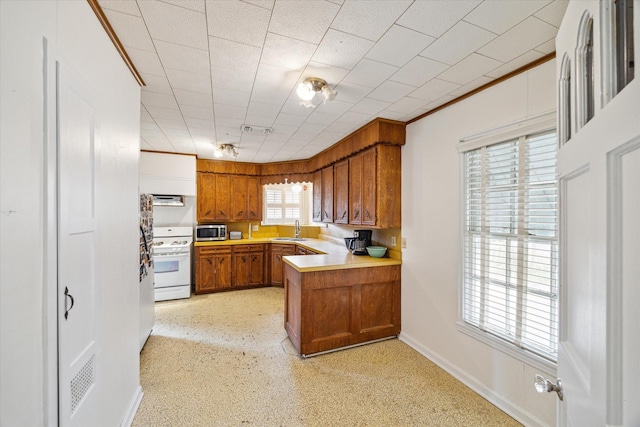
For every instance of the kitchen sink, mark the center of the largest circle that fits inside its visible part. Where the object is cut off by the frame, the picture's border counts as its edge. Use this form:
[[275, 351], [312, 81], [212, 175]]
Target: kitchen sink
[[292, 239]]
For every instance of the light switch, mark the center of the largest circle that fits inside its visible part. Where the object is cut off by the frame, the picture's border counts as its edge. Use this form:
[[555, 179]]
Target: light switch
[[404, 243], [393, 240], [254, 228]]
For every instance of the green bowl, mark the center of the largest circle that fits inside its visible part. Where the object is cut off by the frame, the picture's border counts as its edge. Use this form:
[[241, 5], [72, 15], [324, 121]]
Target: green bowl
[[376, 251]]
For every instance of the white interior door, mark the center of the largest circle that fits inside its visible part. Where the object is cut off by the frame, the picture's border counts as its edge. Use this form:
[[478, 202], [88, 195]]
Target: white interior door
[[598, 361], [77, 270]]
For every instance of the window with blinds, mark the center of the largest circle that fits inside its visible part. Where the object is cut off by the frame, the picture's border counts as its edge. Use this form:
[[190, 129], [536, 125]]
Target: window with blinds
[[510, 278], [283, 205]]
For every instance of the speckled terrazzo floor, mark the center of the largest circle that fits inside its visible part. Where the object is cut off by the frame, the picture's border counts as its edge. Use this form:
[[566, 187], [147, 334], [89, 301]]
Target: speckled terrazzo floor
[[225, 360]]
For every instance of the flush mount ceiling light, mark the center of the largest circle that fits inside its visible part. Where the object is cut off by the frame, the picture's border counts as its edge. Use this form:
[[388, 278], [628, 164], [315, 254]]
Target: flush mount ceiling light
[[308, 88], [226, 150]]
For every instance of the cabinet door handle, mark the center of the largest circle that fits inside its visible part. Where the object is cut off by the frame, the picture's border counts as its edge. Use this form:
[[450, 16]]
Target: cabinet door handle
[[343, 214], [326, 214], [356, 214], [222, 213], [67, 295], [253, 213], [240, 213], [367, 214], [207, 213]]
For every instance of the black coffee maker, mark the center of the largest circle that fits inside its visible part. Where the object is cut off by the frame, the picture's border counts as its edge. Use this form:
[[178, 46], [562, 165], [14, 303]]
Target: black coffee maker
[[361, 239]]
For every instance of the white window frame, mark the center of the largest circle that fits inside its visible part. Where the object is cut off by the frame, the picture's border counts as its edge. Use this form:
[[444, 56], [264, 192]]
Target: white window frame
[[585, 72], [531, 126], [306, 200]]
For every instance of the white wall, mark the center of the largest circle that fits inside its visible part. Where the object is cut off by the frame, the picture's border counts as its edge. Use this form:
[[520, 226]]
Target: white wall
[[431, 267], [27, 288]]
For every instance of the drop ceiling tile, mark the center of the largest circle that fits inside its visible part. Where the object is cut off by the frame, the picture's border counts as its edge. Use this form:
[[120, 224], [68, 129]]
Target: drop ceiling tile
[[171, 124], [303, 20], [368, 19], [370, 73], [230, 122], [201, 134], [200, 124], [392, 115], [131, 30], [343, 127], [469, 69], [292, 106], [525, 36], [547, 47], [175, 24], [521, 61], [183, 58], [266, 4], [153, 99], [145, 116], [286, 52], [353, 118], [406, 105], [457, 43], [273, 85], [144, 145], [196, 113], [553, 13], [435, 17], [227, 78], [434, 89], [158, 84], [312, 127], [267, 113], [498, 16], [351, 92], [193, 99], [391, 91], [398, 46], [332, 75], [164, 113], [418, 71], [234, 55], [197, 5], [188, 81], [281, 132], [232, 111], [370, 106], [149, 127], [288, 120], [440, 101], [227, 134], [231, 97], [146, 62], [128, 7], [238, 21], [265, 121], [334, 107], [252, 139], [341, 49], [480, 81]]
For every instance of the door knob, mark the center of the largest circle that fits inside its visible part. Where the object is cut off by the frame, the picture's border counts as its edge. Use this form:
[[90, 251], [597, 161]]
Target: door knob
[[543, 385]]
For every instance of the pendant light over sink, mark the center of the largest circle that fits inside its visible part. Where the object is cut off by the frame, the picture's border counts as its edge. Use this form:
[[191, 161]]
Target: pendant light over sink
[[309, 87]]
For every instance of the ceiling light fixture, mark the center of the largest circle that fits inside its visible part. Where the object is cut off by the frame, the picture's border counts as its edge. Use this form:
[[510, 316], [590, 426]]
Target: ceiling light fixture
[[256, 129], [308, 88], [225, 150]]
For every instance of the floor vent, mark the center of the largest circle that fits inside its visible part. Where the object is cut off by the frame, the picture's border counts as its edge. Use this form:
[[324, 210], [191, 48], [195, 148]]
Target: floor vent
[[81, 383]]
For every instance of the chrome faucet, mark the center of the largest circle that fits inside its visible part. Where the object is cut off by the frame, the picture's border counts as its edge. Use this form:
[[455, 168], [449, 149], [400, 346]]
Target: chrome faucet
[[297, 229]]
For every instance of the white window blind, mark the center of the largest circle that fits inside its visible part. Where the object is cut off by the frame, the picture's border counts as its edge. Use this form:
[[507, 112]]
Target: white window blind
[[510, 278], [282, 205]]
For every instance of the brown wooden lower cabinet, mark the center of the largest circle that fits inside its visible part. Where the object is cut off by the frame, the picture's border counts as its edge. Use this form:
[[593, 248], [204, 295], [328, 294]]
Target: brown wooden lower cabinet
[[326, 310], [277, 264], [220, 268]]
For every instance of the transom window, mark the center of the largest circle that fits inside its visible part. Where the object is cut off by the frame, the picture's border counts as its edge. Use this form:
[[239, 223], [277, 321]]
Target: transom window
[[286, 203], [510, 276]]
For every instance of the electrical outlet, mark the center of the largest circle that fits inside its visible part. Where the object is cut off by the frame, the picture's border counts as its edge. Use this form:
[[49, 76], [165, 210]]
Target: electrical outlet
[[404, 243], [254, 228], [393, 240]]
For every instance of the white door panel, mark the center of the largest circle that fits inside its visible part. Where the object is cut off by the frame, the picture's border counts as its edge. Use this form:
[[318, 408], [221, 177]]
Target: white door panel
[[77, 254]]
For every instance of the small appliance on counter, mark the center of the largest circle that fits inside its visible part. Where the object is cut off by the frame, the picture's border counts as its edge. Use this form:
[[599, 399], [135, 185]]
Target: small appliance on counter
[[359, 242], [235, 235], [210, 232]]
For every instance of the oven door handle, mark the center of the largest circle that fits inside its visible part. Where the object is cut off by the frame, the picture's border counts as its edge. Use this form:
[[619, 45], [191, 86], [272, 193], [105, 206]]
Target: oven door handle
[[174, 254]]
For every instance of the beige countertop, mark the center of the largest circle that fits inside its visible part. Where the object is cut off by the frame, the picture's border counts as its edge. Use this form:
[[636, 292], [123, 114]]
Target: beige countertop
[[331, 256]]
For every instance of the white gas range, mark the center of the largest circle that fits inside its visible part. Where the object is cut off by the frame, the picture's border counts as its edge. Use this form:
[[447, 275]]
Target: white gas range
[[172, 259]]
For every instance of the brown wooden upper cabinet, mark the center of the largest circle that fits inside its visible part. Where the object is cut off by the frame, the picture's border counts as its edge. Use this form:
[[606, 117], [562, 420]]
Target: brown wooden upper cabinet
[[226, 197], [327, 194], [317, 196], [341, 192]]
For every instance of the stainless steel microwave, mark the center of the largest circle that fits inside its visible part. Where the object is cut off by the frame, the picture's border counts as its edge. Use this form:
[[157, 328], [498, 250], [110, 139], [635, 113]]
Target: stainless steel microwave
[[211, 232]]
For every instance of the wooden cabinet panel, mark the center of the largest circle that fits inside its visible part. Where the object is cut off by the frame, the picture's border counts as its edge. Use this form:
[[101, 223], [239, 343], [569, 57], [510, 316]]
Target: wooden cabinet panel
[[355, 190], [327, 194], [341, 192], [369, 187], [213, 268], [225, 197], [277, 264], [248, 265], [206, 190], [325, 310], [238, 200], [317, 196], [254, 198]]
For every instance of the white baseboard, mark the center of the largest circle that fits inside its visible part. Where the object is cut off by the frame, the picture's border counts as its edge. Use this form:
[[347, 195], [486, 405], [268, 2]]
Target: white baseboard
[[513, 410], [133, 408]]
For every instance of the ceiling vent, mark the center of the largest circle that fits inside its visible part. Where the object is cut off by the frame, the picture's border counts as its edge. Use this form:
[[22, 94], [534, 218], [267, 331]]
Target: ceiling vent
[[256, 129]]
